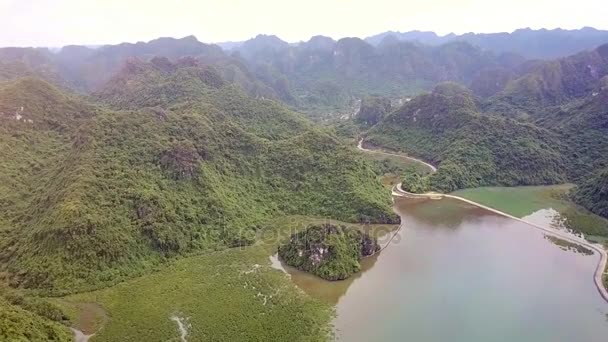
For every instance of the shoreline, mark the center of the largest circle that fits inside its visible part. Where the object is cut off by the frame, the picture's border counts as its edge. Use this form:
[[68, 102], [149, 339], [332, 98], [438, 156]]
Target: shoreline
[[397, 191]]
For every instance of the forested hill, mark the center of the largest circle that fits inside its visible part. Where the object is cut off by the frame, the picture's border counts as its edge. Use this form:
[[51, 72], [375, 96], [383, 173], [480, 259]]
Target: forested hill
[[470, 148], [171, 161], [552, 83], [548, 126], [552, 110], [592, 193], [568, 96], [583, 125]]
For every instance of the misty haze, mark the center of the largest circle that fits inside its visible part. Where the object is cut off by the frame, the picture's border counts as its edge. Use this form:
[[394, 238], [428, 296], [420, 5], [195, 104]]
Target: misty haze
[[303, 171]]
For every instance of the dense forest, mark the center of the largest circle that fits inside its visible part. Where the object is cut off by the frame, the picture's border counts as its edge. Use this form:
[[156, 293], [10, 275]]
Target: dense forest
[[471, 149], [547, 85], [167, 160], [328, 251], [544, 126], [324, 74], [119, 159], [372, 110], [593, 193], [194, 175]]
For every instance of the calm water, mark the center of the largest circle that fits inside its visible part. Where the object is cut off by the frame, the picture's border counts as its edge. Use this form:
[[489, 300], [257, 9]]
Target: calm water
[[458, 273]]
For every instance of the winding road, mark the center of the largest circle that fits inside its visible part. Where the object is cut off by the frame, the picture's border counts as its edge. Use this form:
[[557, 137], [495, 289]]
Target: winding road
[[601, 266], [360, 147]]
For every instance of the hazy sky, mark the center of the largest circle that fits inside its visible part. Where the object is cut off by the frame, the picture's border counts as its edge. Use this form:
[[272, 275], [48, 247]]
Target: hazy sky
[[61, 22]]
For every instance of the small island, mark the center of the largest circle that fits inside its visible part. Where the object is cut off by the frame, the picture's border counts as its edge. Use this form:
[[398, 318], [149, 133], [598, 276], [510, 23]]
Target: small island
[[328, 251]]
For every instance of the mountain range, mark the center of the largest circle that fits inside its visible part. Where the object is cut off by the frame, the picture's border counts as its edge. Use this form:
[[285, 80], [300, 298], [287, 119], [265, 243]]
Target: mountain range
[[527, 42], [117, 159], [322, 77], [533, 44]]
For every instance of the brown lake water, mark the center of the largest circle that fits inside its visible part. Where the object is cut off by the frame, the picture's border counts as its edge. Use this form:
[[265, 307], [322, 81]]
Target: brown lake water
[[456, 272]]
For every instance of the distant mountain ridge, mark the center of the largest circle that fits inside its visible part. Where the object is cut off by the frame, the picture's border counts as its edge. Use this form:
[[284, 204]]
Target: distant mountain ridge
[[543, 85], [543, 43], [530, 43], [322, 76], [87, 69]]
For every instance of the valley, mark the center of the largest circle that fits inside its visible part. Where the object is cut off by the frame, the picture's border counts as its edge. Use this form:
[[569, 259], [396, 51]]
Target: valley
[[459, 228], [156, 191], [543, 207]]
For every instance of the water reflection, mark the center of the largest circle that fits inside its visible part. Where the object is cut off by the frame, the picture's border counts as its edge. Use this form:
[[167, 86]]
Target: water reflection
[[332, 291], [459, 273], [328, 291], [439, 214]]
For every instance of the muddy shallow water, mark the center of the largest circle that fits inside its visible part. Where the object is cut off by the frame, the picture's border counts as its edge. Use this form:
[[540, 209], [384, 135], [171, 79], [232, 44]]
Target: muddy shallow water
[[459, 273]]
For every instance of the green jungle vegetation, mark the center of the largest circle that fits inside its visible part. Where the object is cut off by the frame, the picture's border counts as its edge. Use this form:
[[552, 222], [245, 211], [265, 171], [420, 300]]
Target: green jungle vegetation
[[569, 97], [168, 160], [244, 297], [26, 318], [176, 163], [392, 168], [321, 77], [120, 191], [323, 74], [373, 110], [229, 295], [328, 251], [471, 149], [556, 134], [548, 84], [593, 193], [415, 181]]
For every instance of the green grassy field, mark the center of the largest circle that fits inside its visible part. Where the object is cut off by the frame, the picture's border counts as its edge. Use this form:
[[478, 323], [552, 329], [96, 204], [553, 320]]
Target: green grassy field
[[525, 200], [519, 201], [230, 295]]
